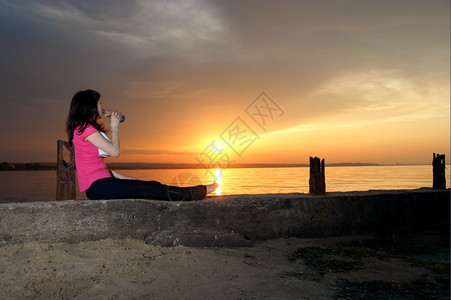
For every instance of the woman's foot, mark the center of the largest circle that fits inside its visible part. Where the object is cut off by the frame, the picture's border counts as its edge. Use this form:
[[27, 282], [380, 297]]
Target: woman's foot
[[211, 187]]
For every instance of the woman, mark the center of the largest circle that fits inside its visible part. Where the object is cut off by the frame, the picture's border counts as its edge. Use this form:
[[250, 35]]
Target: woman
[[94, 177]]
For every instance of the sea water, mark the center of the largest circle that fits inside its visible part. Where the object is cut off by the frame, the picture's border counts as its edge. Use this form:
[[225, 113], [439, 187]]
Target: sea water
[[31, 186]]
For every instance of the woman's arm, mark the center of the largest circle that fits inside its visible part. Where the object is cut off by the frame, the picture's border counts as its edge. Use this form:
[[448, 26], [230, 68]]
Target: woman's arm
[[111, 147], [120, 176]]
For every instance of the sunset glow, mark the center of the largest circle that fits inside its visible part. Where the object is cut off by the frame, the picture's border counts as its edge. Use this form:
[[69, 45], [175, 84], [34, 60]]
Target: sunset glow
[[344, 80]]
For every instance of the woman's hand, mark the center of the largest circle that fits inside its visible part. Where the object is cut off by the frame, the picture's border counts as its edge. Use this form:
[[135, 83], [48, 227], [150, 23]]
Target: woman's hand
[[115, 119]]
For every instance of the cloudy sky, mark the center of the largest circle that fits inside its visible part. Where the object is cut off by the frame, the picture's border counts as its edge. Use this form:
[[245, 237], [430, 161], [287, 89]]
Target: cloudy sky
[[261, 81]]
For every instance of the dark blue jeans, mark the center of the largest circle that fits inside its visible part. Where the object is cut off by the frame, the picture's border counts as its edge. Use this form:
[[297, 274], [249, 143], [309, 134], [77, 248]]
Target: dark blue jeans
[[113, 188]]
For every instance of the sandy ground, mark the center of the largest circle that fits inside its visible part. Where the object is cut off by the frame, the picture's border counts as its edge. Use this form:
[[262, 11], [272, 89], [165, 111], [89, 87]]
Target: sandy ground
[[273, 269]]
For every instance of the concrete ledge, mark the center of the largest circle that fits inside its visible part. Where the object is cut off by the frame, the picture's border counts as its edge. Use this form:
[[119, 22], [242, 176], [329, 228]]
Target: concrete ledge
[[249, 217]]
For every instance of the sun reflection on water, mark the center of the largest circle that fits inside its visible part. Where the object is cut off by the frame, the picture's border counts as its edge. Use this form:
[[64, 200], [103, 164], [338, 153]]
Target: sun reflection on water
[[218, 173]]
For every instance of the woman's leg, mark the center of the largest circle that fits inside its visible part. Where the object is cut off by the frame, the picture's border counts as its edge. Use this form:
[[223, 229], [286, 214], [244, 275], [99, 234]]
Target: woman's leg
[[112, 188]]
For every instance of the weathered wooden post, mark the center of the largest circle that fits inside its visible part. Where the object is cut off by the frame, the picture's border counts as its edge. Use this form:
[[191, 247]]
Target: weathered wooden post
[[438, 172], [317, 180], [65, 173]]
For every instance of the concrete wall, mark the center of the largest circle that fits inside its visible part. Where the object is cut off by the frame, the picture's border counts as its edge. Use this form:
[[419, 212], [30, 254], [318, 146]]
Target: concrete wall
[[226, 220]]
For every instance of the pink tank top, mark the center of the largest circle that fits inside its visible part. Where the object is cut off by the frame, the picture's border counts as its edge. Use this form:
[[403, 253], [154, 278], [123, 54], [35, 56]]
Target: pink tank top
[[90, 166]]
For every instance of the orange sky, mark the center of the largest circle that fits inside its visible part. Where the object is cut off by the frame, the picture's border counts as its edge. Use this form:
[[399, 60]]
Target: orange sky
[[349, 81]]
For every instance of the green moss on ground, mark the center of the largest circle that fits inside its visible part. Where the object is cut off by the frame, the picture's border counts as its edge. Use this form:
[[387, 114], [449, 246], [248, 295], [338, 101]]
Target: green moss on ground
[[368, 290], [427, 252]]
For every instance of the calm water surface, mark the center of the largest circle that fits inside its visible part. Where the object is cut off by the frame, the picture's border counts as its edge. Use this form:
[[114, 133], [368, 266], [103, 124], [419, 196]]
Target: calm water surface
[[27, 186]]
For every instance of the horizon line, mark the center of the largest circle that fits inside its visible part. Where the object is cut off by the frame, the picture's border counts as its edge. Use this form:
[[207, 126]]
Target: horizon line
[[143, 165]]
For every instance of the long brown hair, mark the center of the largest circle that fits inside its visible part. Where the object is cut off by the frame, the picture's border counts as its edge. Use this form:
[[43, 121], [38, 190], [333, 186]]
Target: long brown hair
[[83, 112]]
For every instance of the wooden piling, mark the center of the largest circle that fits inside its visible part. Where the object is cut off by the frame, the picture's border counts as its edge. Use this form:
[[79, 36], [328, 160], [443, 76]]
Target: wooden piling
[[438, 172], [65, 172], [317, 182]]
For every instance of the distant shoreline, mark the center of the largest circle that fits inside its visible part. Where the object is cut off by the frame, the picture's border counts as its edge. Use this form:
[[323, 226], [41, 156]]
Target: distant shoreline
[[46, 166]]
